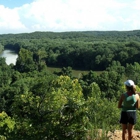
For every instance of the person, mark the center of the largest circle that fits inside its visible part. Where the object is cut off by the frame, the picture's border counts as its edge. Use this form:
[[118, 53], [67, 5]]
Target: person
[[128, 103]]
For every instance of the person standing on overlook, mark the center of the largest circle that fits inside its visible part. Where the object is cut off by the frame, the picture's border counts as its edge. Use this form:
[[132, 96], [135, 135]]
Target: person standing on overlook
[[129, 103]]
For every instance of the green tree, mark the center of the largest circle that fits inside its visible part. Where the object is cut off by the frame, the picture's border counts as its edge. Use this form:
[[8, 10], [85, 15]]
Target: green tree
[[7, 125], [65, 71], [116, 66], [85, 82], [103, 113], [25, 61], [51, 108], [110, 83], [1, 47], [132, 72]]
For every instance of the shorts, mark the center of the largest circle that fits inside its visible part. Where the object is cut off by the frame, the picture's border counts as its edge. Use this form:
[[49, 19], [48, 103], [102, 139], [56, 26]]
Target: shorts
[[128, 117]]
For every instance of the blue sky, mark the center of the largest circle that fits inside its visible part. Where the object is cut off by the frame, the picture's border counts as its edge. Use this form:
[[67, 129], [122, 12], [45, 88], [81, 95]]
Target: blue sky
[[25, 16], [14, 3]]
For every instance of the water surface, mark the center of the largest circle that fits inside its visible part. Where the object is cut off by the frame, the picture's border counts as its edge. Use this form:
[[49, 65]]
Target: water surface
[[10, 56]]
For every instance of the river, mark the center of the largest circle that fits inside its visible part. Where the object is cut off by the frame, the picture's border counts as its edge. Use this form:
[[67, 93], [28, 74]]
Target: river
[[10, 56]]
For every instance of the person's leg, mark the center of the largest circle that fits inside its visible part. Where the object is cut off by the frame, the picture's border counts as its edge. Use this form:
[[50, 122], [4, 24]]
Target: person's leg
[[124, 131], [130, 131], [132, 122]]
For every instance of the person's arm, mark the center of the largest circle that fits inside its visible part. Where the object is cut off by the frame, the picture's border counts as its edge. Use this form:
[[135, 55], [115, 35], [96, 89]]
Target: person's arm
[[120, 101], [138, 101]]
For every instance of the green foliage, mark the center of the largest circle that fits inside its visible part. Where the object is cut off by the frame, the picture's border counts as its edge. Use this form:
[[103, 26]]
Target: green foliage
[[65, 71], [90, 50], [110, 83], [1, 47], [50, 108], [103, 114], [7, 125], [85, 82], [5, 73], [36, 104], [132, 72], [25, 61]]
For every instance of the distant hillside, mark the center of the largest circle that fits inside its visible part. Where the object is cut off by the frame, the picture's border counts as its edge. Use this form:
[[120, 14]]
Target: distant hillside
[[84, 50], [77, 34]]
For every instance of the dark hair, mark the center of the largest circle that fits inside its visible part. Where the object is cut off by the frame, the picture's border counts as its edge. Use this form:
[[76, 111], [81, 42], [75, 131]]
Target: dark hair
[[132, 89]]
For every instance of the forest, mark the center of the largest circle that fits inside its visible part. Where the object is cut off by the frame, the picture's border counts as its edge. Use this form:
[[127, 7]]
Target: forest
[[37, 104], [79, 50]]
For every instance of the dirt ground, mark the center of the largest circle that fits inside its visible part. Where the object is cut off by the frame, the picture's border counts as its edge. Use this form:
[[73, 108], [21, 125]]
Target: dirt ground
[[117, 135]]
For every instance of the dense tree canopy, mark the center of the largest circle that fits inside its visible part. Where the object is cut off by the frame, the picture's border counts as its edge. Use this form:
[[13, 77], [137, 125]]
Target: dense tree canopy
[[37, 104], [92, 50]]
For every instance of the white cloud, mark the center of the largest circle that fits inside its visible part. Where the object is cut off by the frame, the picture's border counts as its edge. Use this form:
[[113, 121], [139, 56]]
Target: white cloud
[[136, 4], [10, 20], [72, 15]]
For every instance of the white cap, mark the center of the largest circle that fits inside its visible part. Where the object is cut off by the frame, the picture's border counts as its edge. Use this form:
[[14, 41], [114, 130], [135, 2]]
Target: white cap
[[129, 83]]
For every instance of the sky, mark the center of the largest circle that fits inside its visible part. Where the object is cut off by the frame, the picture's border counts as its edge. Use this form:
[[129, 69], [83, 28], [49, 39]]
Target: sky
[[26, 16]]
